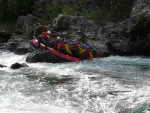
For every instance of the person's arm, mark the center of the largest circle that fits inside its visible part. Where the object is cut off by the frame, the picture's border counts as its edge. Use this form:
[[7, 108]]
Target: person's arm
[[58, 47]]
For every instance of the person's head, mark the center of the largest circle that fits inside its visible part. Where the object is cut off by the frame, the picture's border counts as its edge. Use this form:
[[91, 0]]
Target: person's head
[[59, 39], [65, 41], [48, 33], [85, 46]]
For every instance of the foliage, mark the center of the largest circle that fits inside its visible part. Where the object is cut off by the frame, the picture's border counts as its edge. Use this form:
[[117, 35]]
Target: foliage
[[11, 9], [101, 11], [54, 10]]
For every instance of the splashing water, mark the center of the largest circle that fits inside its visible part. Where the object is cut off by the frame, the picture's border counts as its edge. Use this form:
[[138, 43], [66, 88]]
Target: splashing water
[[109, 85]]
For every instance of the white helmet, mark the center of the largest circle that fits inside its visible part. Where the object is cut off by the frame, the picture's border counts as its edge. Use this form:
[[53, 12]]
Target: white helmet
[[48, 32], [58, 37]]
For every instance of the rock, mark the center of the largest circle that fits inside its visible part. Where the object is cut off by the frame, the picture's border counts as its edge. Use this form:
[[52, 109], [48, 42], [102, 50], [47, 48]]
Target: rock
[[25, 24], [19, 44], [139, 28], [131, 37], [61, 23], [1, 66], [38, 29], [140, 8], [118, 41], [43, 56], [18, 65], [76, 26], [4, 36]]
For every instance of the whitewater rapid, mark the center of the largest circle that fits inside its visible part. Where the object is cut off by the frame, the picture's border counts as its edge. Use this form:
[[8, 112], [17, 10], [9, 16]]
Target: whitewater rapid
[[110, 85]]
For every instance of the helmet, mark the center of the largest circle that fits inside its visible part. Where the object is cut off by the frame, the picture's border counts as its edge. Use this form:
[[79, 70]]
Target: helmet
[[85, 46], [65, 41], [88, 47], [59, 39], [48, 32]]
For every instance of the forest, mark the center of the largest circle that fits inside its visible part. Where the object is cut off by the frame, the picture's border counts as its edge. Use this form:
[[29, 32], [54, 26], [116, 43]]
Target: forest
[[101, 11]]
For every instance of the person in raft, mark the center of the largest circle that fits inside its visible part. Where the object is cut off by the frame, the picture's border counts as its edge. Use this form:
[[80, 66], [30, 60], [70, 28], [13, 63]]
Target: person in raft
[[86, 53], [63, 47], [44, 38], [75, 48]]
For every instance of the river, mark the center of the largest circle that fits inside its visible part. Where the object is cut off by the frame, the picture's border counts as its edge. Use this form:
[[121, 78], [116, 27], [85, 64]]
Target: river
[[110, 85]]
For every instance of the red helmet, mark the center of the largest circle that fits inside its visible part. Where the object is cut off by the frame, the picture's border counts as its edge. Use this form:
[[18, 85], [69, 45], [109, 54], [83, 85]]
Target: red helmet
[[44, 34]]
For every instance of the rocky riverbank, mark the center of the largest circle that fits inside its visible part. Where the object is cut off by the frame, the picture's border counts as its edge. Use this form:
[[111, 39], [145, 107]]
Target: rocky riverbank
[[129, 37]]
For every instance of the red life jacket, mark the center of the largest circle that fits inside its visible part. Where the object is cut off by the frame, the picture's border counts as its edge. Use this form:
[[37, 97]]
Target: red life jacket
[[62, 46], [86, 54]]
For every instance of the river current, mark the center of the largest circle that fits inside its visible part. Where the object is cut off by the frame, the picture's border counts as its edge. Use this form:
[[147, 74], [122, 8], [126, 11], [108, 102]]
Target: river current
[[109, 85]]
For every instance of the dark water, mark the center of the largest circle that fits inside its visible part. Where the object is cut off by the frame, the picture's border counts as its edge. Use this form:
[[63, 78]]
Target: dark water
[[109, 85]]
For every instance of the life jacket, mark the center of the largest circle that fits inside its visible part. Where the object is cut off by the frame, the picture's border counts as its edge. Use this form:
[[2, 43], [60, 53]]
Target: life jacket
[[86, 54], [56, 44], [61, 47], [77, 47], [64, 48]]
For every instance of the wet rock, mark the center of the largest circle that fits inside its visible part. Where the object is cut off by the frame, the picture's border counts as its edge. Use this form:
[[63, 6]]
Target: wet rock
[[18, 65], [43, 56], [1, 66], [19, 44]]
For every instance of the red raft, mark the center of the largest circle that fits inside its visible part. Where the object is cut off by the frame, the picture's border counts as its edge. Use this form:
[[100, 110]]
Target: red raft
[[61, 55]]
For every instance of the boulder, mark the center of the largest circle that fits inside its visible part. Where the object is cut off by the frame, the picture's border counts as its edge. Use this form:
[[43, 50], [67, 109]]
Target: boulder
[[131, 37], [139, 24], [18, 65], [76, 26], [117, 39], [43, 56], [25, 24], [1, 66], [19, 44]]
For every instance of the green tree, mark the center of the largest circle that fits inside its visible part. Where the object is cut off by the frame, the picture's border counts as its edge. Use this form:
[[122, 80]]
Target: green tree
[[4, 8], [13, 8]]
